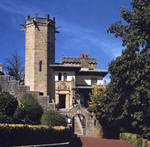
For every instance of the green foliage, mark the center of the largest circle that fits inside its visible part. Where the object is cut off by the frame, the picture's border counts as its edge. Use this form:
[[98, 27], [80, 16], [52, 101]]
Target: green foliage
[[134, 139], [19, 115], [17, 135], [8, 104], [53, 118], [126, 102], [97, 96], [30, 111], [5, 119]]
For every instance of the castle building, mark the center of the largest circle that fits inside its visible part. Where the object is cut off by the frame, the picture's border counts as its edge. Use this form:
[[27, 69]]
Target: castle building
[[70, 80], [74, 79], [63, 86]]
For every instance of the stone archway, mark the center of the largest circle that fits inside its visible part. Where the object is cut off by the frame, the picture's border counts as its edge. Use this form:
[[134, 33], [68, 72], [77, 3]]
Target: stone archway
[[84, 122]]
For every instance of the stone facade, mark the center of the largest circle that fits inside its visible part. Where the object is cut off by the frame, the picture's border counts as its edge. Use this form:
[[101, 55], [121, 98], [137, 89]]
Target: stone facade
[[39, 53], [84, 122], [64, 88], [74, 80]]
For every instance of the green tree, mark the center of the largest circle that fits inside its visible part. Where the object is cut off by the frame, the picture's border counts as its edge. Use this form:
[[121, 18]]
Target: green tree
[[8, 104], [53, 118], [97, 95], [130, 78], [125, 106], [30, 110]]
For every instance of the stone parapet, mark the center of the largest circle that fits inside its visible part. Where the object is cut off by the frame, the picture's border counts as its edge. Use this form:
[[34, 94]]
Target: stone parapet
[[40, 20]]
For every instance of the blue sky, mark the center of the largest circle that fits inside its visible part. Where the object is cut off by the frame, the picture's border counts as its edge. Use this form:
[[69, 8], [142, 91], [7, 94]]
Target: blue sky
[[84, 25]]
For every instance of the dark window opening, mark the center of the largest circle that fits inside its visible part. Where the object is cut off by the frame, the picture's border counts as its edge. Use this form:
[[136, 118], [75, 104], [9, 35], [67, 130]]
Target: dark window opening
[[59, 76], [41, 94], [40, 66], [93, 81], [65, 77], [94, 122]]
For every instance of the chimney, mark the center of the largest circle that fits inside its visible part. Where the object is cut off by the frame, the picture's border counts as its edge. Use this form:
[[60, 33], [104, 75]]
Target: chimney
[[1, 67], [84, 55]]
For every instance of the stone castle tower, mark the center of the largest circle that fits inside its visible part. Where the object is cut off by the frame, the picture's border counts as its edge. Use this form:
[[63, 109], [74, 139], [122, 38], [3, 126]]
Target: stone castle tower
[[39, 54]]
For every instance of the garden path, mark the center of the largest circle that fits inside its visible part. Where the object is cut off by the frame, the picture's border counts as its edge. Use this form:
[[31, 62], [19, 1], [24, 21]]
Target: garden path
[[97, 142]]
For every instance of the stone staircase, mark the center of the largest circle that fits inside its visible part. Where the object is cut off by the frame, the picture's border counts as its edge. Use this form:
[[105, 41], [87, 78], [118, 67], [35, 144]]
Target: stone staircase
[[78, 126]]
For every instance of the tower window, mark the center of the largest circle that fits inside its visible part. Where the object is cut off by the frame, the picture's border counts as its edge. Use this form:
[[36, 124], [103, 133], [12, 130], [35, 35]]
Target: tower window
[[40, 66], [59, 76], [65, 77]]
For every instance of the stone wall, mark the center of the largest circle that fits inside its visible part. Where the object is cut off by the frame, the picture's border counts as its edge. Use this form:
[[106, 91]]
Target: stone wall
[[92, 127], [17, 90]]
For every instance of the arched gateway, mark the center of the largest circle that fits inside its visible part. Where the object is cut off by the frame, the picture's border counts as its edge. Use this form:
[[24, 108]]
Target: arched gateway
[[85, 123]]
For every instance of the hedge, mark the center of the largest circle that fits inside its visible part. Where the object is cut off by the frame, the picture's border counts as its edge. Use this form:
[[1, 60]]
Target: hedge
[[135, 139], [14, 135], [53, 118]]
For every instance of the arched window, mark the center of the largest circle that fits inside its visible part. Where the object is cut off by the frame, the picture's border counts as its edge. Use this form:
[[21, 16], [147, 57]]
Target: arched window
[[59, 76], [65, 77], [40, 66]]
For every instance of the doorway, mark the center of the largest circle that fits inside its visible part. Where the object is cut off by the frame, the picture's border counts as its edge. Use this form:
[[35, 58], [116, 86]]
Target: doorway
[[62, 101]]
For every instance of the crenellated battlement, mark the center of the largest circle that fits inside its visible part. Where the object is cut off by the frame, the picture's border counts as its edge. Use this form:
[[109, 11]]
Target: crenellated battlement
[[40, 20]]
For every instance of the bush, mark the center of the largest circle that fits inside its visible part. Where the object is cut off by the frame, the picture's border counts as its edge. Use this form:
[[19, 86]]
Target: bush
[[134, 139], [5, 119], [17, 135], [31, 110], [53, 118], [19, 115], [8, 104]]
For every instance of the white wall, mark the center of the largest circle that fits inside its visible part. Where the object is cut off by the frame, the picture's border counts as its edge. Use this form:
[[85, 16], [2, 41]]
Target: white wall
[[70, 75], [86, 80]]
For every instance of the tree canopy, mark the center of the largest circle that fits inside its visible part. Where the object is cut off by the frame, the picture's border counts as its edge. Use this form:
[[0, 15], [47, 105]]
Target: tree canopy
[[8, 104], [127, 100]]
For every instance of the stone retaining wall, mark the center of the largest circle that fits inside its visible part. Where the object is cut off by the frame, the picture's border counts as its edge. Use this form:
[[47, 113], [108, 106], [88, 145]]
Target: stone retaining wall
[[17, 90]]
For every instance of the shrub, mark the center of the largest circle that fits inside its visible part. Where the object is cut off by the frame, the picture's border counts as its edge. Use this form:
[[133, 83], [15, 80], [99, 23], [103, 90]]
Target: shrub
[[134, 139], [5, 119], [31, 110], [8, 104], [19, 115], [53, 118], [28, 135]]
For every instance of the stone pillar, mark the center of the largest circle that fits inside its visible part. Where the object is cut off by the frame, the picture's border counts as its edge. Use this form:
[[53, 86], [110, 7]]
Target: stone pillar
[[57, 99], [1, 67], [67, 101]]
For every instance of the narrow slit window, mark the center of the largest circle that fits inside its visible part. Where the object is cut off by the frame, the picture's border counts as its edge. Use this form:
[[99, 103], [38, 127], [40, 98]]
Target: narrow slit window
[[40, 66]]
